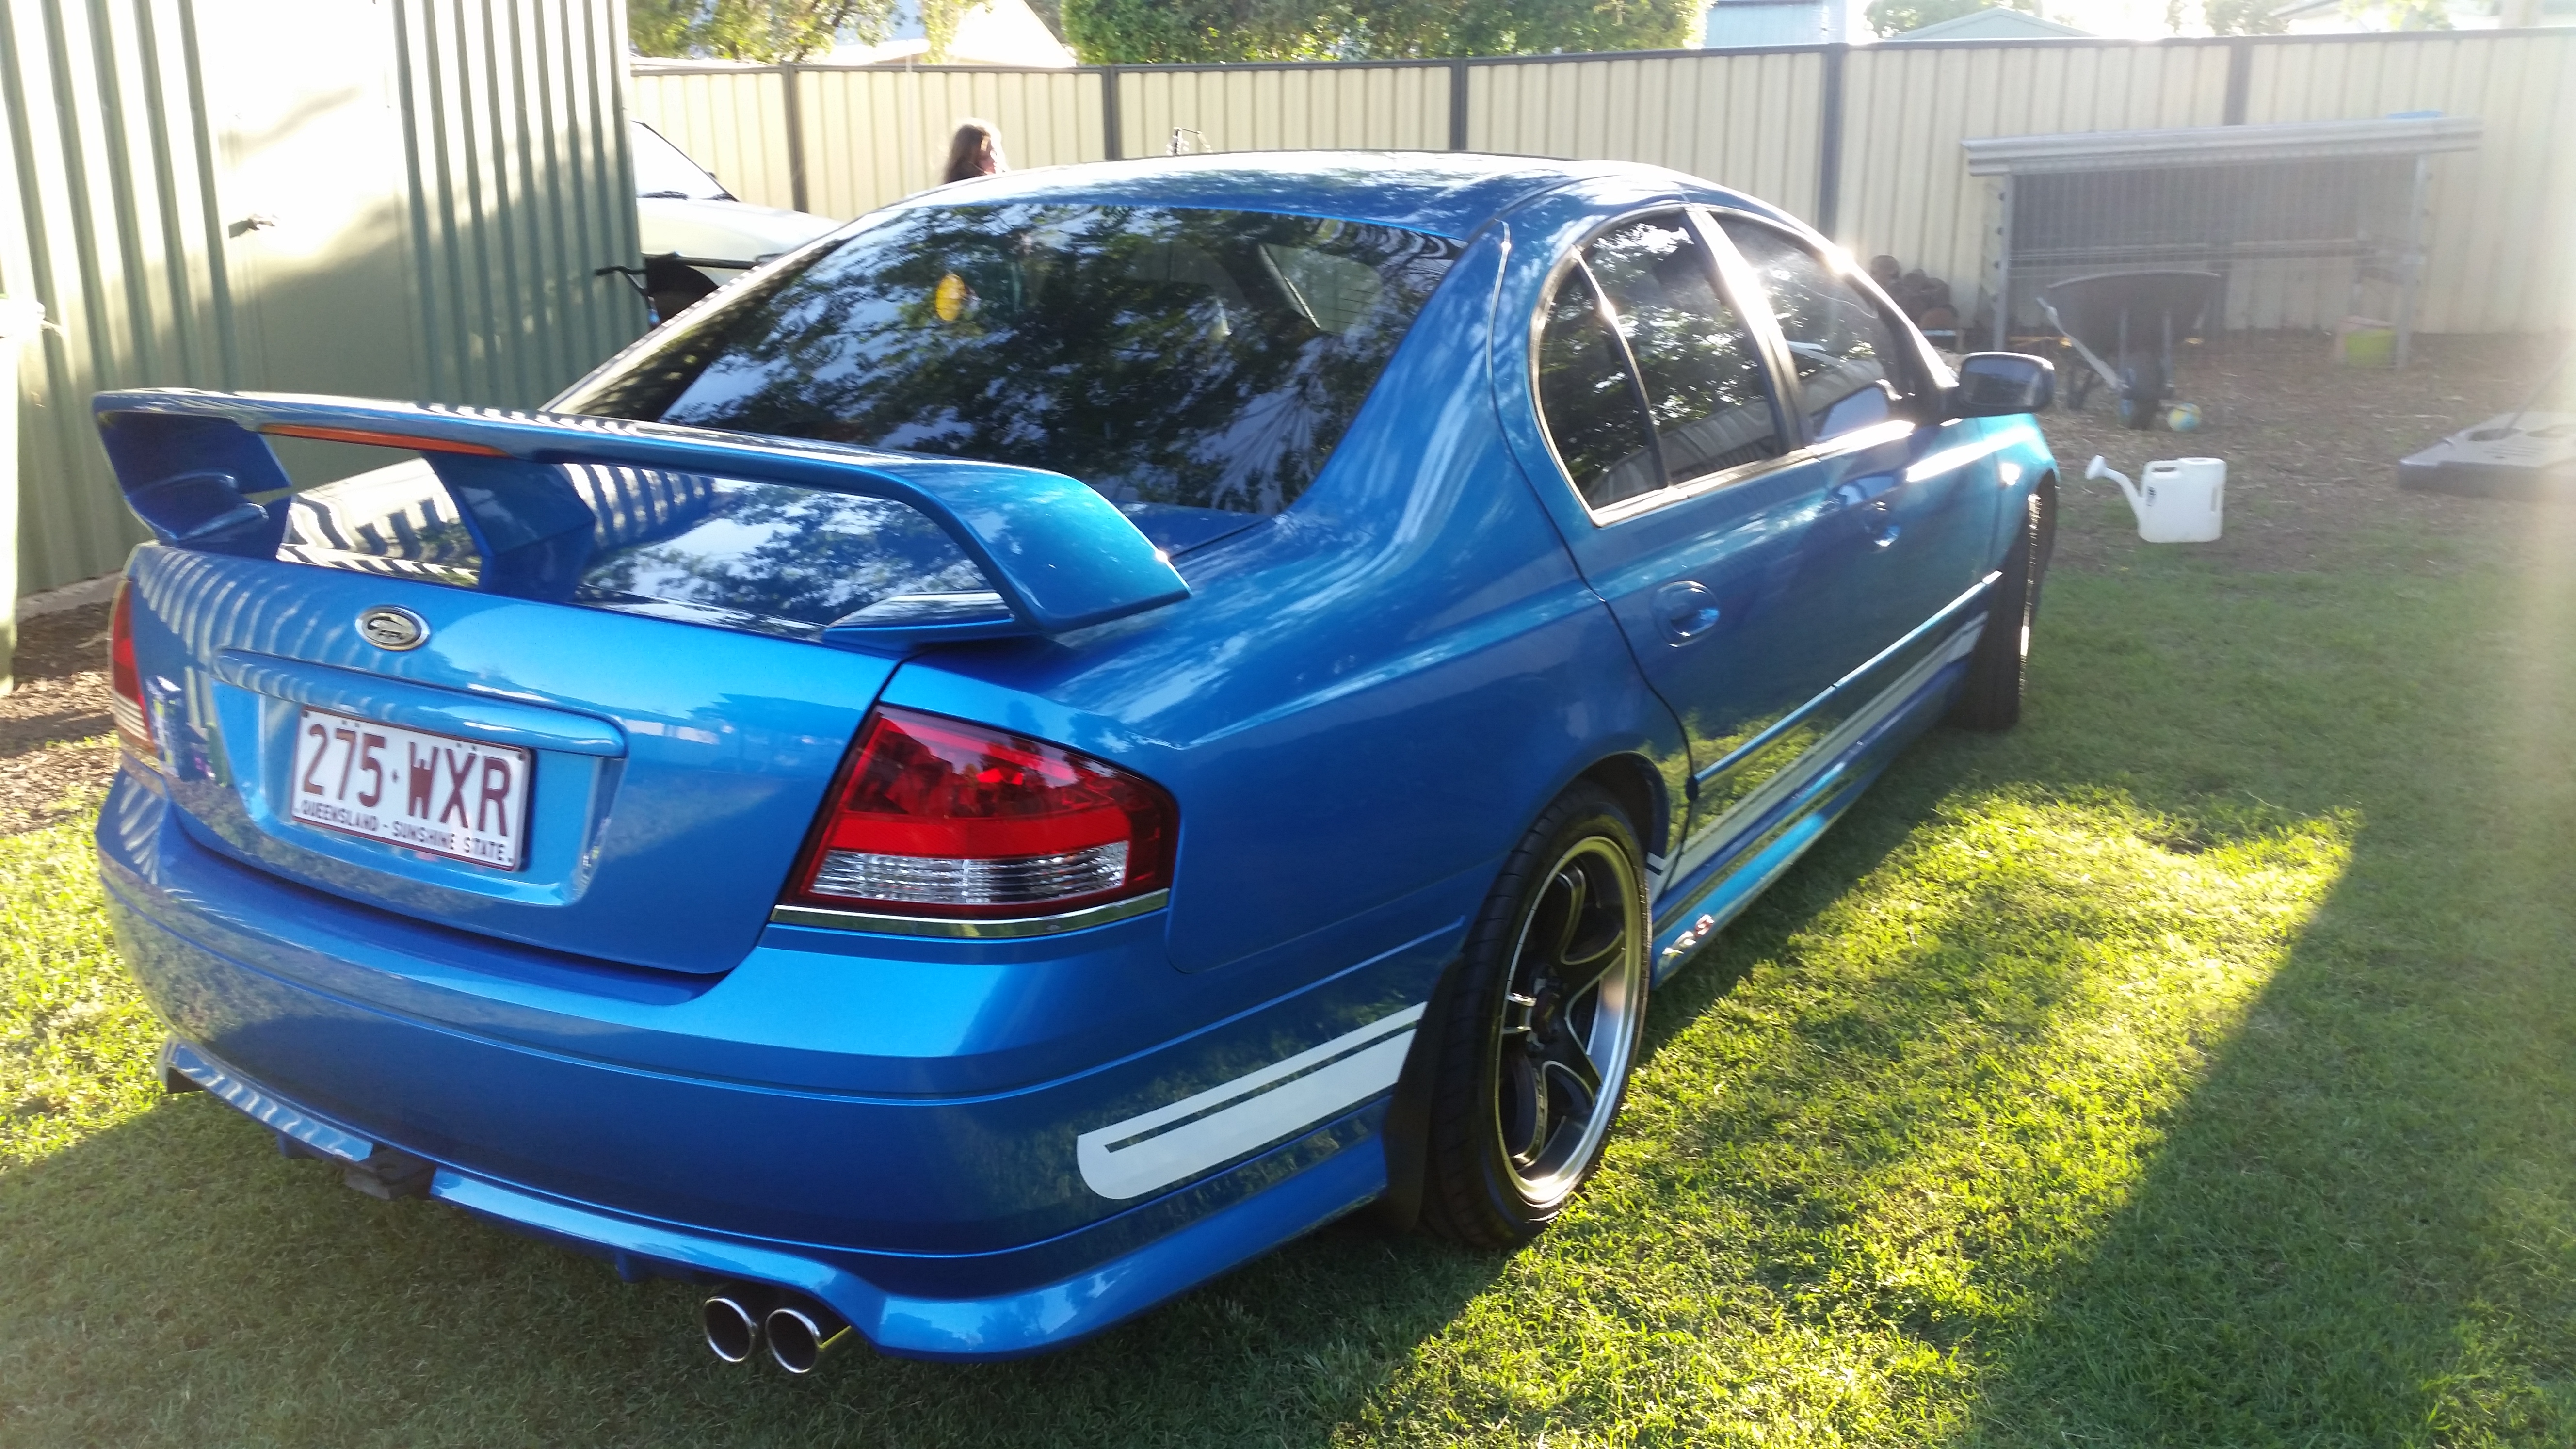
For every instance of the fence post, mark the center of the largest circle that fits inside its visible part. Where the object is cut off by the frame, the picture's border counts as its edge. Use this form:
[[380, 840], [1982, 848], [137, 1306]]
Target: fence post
[[1829, 142], [1111, 145], [795, 137], [2003, 265], [2240, 80], [1458, 104]]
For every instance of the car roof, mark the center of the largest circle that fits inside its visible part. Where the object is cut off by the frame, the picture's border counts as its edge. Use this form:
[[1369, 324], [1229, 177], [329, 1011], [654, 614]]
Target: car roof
[[1444, 193]]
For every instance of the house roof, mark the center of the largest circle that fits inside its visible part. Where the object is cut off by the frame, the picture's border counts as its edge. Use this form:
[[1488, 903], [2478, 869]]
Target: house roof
[[1992, 23]]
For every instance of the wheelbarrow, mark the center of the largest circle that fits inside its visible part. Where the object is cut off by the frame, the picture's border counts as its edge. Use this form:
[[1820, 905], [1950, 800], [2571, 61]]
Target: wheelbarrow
[[2134, 317]]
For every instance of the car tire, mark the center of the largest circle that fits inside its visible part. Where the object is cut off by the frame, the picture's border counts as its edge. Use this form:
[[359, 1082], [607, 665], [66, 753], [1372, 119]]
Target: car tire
[[1539, 1028], [2000, 668]]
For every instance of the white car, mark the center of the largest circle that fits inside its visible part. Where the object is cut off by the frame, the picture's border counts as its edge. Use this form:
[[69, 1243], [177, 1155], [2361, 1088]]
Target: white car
[[697, 236]]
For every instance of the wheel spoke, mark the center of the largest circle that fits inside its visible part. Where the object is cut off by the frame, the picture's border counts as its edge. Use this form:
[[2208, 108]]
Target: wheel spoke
[[1569, 1062], [1525, 1114], [1578, 976], [1575, 891], [1592, 949]]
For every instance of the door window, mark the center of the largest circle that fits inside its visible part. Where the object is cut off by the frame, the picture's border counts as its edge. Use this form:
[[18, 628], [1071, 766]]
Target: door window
[[1636, 331], [1703, 375], [1848, 357], [1595, 415]]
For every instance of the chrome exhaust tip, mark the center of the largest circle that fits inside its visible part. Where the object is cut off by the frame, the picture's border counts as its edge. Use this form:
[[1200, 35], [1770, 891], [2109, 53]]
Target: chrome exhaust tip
[[733, 1329], [800, 1335]]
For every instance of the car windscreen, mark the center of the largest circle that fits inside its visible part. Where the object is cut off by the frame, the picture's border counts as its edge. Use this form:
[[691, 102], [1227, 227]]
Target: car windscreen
[[662, 169], [1168, 357]]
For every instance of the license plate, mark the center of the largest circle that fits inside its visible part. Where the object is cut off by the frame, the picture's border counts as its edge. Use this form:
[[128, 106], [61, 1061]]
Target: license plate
[[464, 799]]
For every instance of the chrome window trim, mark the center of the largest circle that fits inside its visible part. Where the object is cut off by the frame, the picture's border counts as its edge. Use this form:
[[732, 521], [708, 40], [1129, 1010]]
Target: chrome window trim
[[1007, 929], [1854, 441]]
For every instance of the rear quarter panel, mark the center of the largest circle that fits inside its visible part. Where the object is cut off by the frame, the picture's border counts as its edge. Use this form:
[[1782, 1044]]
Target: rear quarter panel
[[1367, 698]]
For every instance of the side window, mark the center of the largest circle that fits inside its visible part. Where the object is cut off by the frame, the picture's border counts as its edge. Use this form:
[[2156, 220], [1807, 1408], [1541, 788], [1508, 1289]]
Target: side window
[[1704, 378], [1591, 405], [1841, 344]]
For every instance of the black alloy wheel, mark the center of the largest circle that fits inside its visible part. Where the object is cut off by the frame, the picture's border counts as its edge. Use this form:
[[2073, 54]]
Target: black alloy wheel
[[1541, 1028]]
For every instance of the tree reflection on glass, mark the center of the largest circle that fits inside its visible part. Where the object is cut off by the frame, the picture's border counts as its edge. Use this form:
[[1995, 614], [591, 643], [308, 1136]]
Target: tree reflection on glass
[[1704, 377], [1161, 355], [789, 553]]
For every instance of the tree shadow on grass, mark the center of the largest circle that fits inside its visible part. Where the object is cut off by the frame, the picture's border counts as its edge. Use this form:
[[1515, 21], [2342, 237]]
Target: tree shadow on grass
[[173, 1280], [2356, 1231], [2360, 1228], [2188, 1068], [176, 1281], [1909, 1159]]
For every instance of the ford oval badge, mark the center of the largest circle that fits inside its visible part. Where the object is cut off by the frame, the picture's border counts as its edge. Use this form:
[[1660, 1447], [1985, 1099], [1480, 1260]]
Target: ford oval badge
[[387, 627]]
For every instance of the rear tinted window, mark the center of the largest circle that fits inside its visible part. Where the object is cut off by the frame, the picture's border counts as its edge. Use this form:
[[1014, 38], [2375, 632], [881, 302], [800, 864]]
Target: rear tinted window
[[1204, 359]]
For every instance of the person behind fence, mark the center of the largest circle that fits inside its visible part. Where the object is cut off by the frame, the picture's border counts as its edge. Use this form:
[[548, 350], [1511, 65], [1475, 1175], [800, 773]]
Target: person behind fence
[[976, 150]]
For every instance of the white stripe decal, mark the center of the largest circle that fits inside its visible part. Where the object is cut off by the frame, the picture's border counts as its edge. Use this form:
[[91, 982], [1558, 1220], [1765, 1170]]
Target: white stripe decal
[[1158, 1148]]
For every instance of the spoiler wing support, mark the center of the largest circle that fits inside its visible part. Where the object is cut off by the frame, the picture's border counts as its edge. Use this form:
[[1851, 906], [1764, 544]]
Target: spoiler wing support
[[196, 467]]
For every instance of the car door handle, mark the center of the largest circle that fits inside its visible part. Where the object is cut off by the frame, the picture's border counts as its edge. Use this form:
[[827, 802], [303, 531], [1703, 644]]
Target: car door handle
[[1685, 609], [1887, 535]]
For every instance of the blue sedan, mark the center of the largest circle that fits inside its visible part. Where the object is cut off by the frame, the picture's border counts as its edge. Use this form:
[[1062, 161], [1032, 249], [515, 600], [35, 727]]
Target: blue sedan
[[1056, 738]]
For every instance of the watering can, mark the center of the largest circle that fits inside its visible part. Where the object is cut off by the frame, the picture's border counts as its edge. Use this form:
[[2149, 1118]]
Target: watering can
[[2178, 500]]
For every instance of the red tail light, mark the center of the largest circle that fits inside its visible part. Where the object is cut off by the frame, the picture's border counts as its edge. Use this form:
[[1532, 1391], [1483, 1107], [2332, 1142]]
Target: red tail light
[[124, 680], [938, 817]]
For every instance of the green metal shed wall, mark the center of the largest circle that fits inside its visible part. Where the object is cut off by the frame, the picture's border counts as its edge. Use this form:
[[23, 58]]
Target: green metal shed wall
[[399, 198]]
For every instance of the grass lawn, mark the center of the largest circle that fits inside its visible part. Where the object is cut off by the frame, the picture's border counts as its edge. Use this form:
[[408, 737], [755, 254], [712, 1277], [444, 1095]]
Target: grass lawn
[[2195, 1065]]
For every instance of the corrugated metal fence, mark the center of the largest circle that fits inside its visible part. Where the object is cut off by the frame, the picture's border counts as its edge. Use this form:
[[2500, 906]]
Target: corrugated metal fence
[[403, 198], [408, 197], [1863, 140]]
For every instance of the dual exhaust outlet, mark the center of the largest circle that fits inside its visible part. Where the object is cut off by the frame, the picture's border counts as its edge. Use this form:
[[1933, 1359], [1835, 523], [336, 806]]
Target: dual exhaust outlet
[[741, 1320]]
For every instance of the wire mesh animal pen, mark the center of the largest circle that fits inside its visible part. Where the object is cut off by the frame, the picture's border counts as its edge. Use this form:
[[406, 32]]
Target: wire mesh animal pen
[[2311, 222]]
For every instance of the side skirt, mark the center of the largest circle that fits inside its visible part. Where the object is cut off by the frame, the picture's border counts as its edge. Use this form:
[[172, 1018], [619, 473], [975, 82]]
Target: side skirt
[[1777, 830]]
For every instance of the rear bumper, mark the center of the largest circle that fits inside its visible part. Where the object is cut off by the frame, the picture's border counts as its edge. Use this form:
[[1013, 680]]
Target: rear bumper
[[701, 1125], [1005, 1324]]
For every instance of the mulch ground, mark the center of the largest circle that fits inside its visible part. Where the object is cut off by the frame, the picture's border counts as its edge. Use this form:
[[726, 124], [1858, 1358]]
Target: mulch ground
[[56, 752], [2311, 447]]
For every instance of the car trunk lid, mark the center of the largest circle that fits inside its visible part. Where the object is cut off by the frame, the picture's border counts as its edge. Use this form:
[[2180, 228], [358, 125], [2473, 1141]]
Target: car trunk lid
[[617, 679]]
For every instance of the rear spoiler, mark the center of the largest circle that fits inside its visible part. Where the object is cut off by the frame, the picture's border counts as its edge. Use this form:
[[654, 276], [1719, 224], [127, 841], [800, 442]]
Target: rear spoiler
[[196, 467]]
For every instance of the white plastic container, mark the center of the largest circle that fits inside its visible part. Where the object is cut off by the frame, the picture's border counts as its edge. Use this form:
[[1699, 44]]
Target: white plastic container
[[2177, 500]]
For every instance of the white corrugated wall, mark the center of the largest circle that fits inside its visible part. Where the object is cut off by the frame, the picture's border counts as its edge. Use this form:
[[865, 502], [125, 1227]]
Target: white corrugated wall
[[2502, 256], [402, 199], [2504, 218], [1746, 119]]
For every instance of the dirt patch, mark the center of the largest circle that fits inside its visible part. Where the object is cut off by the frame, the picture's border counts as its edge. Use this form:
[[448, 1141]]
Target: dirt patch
[[56, 753], [2311, 447]]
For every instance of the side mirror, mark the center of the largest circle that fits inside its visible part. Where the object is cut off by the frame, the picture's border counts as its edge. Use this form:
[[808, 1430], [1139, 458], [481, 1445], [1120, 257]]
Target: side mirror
[[2001, 384]]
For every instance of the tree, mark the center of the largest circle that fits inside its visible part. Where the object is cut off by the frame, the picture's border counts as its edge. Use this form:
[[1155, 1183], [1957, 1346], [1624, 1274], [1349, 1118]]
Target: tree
[[1139, 32], [1145, 32], [2401, 14], [1895, 17], [2244, 17], [768, 31]]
